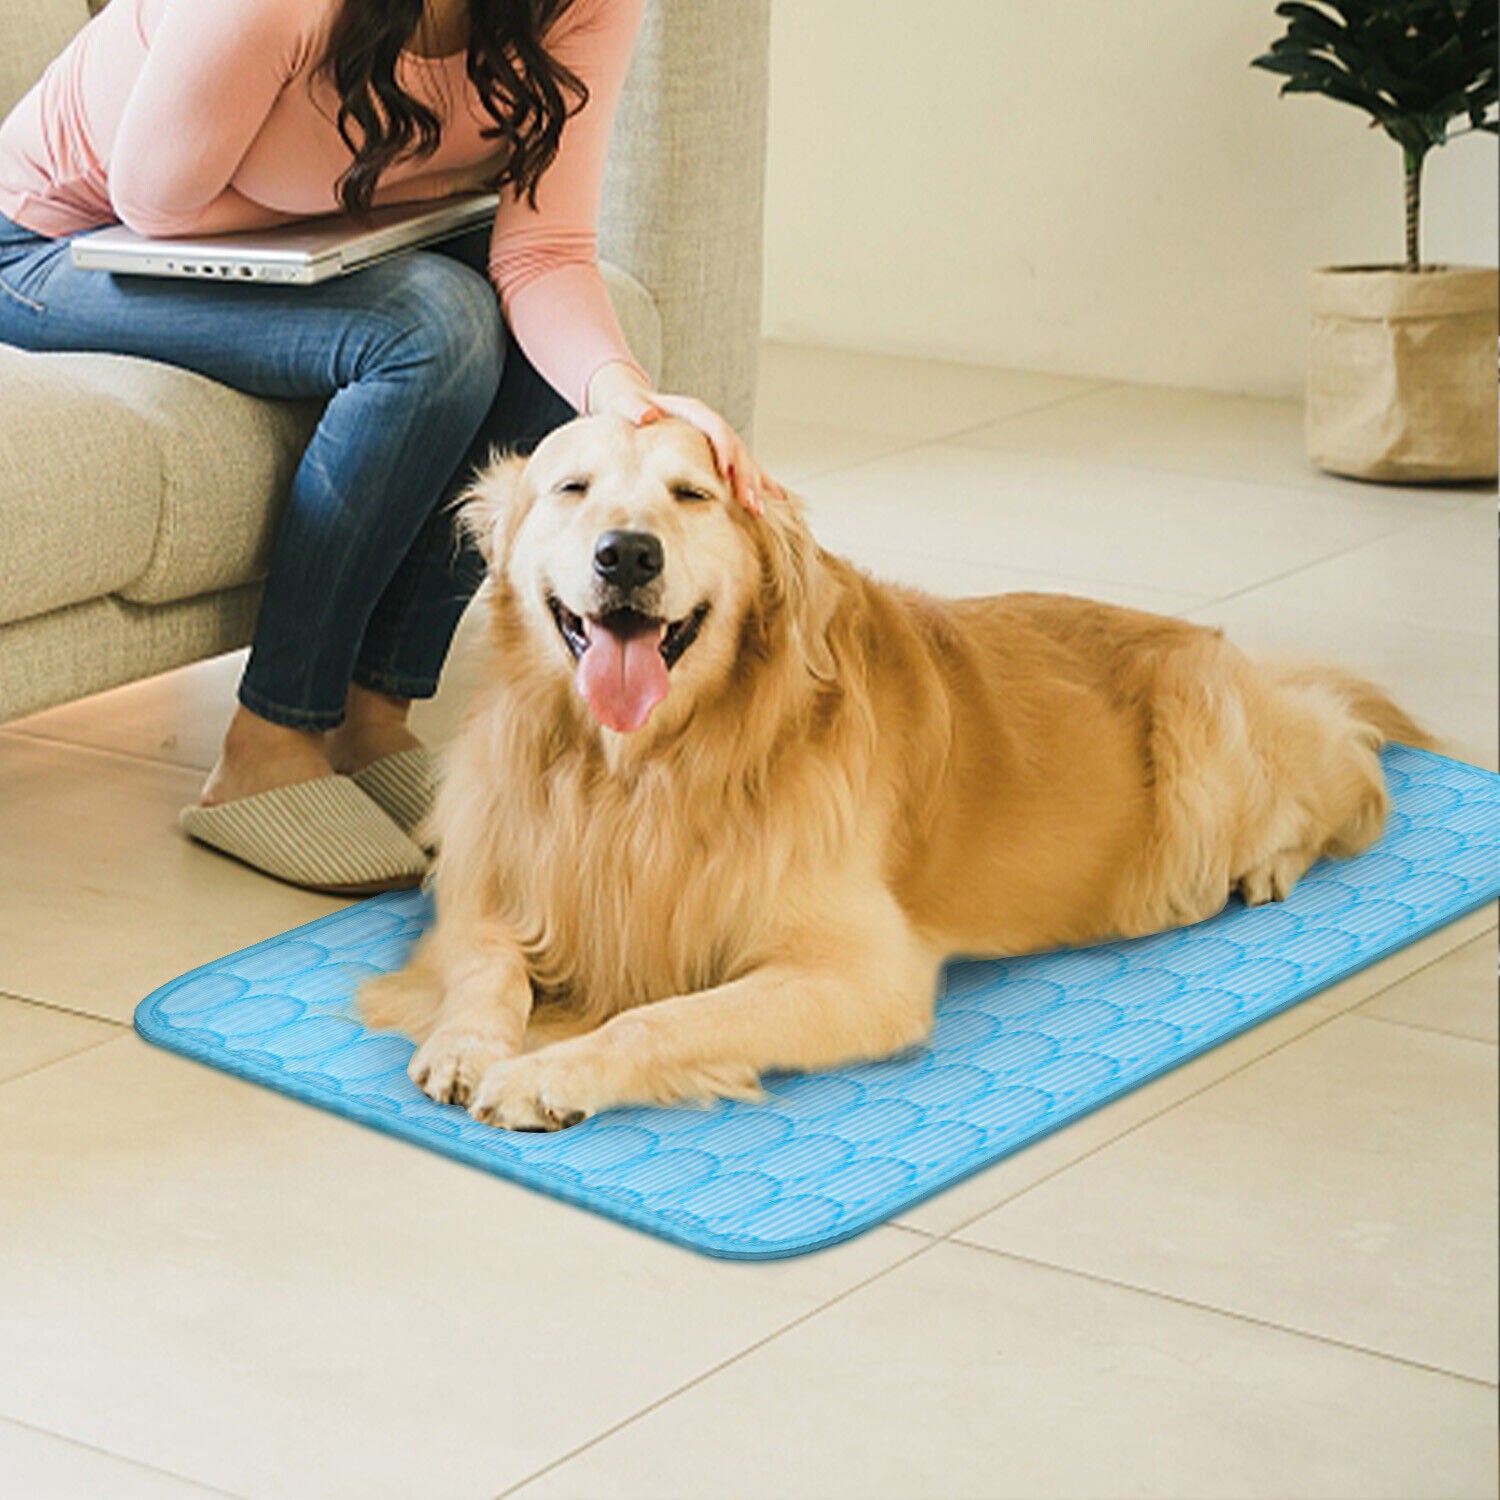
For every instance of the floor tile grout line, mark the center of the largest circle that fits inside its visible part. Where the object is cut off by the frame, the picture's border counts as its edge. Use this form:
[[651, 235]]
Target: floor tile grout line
[[52, 1062], [1370, 541], [914, 443], [929, 1244], [1227, 1312], [1328, 1017], [842, 468], [1349, 488], [1123, 583], [1453, 1036], [1483, 932], [140, 760], [1205, 602], [61, 739], [1130, 1130], [1491, 931], [1031, 410], [66, 1010], [1286, 486], [926, 1234], [932, 1241], [123, 1458], [1213, 600], [1432, 963], [1096, 385]]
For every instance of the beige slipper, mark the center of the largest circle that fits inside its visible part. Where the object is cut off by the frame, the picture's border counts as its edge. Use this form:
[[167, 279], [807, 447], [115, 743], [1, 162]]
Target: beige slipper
[[325, 834], [403, 785]]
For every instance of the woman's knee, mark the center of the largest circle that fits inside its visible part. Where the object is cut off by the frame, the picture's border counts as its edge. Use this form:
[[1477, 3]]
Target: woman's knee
[[442, 318]]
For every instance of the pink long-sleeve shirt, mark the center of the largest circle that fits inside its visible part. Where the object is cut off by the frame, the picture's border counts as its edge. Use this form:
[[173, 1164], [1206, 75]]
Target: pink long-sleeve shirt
[[195, 116]]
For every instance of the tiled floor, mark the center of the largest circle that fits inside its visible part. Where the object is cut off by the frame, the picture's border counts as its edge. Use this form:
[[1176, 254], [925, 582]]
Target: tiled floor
[[1269, 1274]]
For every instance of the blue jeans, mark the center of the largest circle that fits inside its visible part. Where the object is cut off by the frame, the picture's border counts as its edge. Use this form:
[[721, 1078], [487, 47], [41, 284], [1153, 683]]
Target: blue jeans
[[369, 576]]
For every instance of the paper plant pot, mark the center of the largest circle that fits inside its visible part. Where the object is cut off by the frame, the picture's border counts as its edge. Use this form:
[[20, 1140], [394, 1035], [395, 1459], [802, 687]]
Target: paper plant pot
[[1401, 372]]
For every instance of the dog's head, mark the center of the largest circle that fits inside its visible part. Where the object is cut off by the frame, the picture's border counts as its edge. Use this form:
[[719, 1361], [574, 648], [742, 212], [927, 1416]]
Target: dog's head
[[626, 560]]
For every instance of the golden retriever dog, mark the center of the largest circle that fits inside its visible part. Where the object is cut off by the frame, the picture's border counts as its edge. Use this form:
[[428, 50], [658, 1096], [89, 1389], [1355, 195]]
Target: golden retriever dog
[[723, 805]]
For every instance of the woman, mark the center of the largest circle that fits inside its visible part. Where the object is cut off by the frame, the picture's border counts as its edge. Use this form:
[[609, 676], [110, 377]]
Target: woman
[[206, 116]]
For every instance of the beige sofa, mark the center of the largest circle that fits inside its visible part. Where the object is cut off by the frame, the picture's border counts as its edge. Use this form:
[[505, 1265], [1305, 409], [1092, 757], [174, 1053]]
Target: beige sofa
[[137, 501]]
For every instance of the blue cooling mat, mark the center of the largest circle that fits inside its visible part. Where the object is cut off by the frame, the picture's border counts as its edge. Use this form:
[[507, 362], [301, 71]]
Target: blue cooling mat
[[1021, 1047]]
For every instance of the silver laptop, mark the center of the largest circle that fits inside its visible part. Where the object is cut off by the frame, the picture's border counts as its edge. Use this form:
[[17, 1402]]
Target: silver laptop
[[299, 254]]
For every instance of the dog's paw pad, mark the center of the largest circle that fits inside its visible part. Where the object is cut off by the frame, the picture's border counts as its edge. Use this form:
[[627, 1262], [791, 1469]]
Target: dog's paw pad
[[1255, 890], [449, 1064], [513, 1097], [1272, 881], [529, 1116]]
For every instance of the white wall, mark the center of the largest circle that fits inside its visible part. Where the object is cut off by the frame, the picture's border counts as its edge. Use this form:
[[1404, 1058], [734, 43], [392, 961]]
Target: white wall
[[1094, 186]]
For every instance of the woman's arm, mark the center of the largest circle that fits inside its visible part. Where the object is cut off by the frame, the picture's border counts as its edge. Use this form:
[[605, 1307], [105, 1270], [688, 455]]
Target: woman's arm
[[211, 76], [229, 212], [544, 261]]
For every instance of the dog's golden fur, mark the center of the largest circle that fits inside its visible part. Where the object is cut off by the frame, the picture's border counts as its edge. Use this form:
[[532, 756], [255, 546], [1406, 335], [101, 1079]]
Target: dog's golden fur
[[847, 782]]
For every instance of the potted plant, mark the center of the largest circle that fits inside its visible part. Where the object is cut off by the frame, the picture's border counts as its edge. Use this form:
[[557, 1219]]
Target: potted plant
[[1401, 367]]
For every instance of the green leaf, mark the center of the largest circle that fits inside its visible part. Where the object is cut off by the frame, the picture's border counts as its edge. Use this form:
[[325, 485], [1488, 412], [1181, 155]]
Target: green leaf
[[1414, 65], [1315, 25], [1278, 64], [1337, 90]]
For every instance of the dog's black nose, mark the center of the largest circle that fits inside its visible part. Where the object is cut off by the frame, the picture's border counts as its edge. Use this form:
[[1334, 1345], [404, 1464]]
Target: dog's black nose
[[628, 559]]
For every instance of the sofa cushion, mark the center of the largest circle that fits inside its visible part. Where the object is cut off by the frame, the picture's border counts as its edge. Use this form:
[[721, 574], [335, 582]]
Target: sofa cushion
[[221, 464], [81, 481], [101, 643], [227, 461]]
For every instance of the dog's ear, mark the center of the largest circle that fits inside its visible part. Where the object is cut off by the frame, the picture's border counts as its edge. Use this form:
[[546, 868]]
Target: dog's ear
[[491, 508], [798, 584]]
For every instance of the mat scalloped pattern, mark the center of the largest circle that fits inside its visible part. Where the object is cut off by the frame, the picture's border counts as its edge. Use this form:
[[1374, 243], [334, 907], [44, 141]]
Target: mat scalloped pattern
[[1021, 1047]]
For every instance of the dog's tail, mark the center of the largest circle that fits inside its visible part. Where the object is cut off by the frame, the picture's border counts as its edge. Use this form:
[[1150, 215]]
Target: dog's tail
[[1365, 701]]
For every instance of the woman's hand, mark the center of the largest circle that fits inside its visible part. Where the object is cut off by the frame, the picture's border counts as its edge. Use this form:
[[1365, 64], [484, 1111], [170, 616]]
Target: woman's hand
[[623, 390]]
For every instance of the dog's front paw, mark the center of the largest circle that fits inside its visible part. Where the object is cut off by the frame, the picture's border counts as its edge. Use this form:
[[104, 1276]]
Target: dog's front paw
[[450, 1063], [536, 1092], [1274, 878]]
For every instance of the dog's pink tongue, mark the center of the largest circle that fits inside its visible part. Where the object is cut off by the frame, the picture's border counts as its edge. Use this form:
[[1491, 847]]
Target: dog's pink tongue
[[623, 680]]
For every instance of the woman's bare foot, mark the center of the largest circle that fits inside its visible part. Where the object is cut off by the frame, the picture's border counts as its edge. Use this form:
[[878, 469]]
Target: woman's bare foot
[[259, 756], [374, 726]]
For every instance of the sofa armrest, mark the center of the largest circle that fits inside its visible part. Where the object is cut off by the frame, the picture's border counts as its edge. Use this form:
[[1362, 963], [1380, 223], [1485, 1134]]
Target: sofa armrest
[[684, 192]]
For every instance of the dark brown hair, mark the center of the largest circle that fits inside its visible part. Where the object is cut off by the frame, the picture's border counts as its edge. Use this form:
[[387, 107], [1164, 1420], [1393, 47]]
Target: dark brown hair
[[525, 91]]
